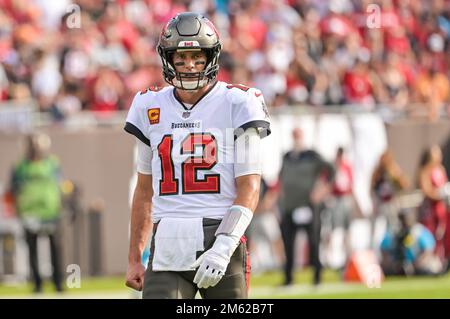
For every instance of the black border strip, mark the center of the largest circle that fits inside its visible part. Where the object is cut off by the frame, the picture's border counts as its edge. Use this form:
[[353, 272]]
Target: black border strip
[[256, 124], [133, 130]]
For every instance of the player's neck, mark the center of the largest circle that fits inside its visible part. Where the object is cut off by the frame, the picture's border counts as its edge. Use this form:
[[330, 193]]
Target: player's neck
[[192, 96]]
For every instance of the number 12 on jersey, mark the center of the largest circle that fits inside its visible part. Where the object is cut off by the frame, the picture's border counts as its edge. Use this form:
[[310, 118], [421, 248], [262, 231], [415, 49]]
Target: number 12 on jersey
[[191, 184]]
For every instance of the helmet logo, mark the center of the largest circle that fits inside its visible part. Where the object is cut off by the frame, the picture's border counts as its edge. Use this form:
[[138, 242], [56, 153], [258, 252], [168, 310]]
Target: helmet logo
[[166, 32], [185, 44], [212, 29]]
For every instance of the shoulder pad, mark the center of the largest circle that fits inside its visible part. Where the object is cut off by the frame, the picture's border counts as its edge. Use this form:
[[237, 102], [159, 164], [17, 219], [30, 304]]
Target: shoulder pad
[[238, 93], [143, 97], [153, 88]]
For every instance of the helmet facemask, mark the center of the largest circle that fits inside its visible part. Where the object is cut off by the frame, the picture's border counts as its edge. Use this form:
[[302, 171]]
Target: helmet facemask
[[196, 80]]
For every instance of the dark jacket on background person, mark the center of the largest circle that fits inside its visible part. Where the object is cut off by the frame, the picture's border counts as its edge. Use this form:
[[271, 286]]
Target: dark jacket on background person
[[302, 173], [299, 174]]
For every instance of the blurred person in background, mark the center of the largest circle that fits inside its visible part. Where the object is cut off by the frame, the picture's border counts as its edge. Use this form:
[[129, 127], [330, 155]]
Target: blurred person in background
[[4, 83], [433, 211], [394, 86], [358, 84], [342, 201], [46, 79], [410, 250], [35, 185], [107, 91], [305, 180], [432, 88], [387, 180]]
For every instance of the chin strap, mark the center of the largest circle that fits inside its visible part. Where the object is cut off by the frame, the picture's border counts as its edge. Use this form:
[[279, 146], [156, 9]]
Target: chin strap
[[189, 85]]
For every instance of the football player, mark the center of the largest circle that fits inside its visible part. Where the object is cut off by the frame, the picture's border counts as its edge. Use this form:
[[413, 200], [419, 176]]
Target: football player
[[198, 170]]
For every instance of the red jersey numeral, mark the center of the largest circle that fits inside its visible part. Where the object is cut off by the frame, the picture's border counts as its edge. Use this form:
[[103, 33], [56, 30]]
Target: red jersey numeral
[[191, 184], [168, 185]]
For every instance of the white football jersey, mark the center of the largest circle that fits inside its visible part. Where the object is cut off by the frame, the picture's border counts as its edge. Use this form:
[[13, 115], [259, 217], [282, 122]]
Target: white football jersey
[[193, 149]]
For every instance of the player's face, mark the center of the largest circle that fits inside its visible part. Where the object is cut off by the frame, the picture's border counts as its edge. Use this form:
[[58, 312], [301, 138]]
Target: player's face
[[189, 61]]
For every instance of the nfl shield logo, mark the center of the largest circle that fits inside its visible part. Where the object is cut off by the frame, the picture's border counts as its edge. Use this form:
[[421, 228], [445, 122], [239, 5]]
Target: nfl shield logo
[[186, 114]]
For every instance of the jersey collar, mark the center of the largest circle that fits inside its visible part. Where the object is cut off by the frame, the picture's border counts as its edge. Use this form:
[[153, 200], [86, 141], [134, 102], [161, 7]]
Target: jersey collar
[[200, 99]]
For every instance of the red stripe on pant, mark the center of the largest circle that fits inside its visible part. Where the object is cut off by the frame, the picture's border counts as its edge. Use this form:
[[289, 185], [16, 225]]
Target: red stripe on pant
[[247, 263]]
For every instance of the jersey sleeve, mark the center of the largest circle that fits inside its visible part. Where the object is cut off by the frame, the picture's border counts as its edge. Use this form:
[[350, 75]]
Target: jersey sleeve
[[137, 122], [143, 158], [247, 154], [251, 111]]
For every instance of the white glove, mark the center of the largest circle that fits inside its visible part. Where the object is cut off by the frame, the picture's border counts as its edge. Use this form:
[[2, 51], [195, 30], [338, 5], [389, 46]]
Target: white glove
[[214, 262]]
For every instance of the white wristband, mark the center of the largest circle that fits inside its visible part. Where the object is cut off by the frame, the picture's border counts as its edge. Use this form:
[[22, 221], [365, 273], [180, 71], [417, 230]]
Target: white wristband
[[235, 222]]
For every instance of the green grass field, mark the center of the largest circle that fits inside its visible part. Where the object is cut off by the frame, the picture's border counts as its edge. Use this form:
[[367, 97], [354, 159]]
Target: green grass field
[[266, 285], [333, 287]]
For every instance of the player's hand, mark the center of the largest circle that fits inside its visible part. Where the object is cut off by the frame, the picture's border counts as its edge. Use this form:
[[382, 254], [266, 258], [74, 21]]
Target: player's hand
[[135, 276], [213, 264], [211, 268]]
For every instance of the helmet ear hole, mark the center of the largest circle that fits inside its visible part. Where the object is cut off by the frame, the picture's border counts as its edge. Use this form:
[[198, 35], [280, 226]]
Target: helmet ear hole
[[169, 57]]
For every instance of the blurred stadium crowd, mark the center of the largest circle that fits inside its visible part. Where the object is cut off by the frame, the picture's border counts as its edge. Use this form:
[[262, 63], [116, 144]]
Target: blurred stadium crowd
[[95, 54]]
